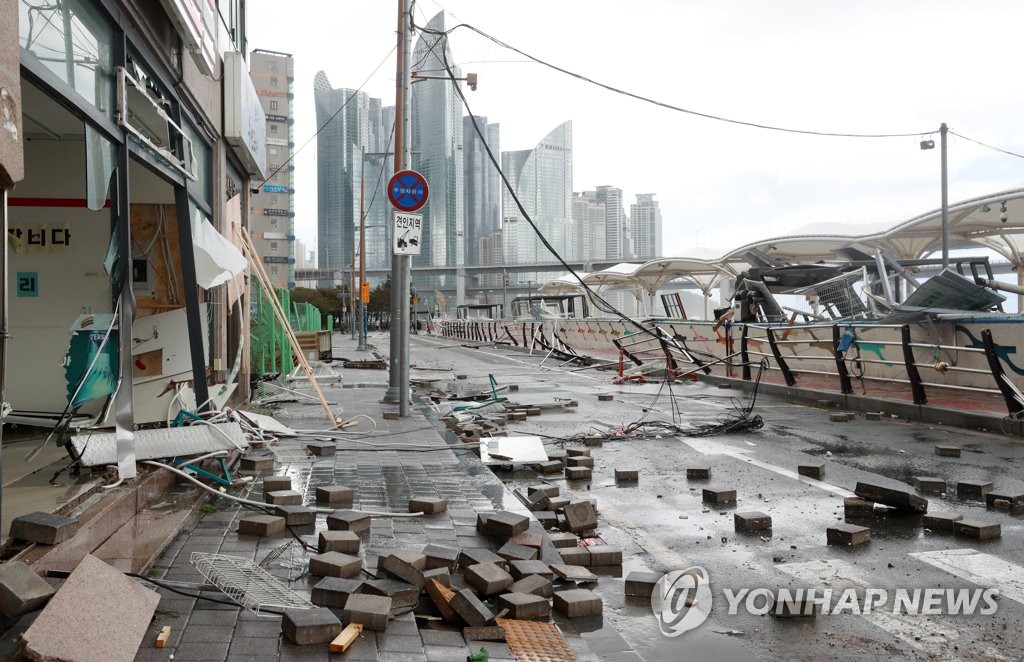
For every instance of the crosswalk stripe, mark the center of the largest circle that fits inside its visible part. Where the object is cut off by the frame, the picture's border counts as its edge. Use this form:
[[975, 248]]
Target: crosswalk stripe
[[982, 569]]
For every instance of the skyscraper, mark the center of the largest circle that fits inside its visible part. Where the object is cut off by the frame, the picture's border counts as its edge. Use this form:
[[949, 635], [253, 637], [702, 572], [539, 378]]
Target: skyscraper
[[482, 186], [437, 153], [645, 223], [272, 211], [542, 180], [615, 226], [588, 217], [354, 126]]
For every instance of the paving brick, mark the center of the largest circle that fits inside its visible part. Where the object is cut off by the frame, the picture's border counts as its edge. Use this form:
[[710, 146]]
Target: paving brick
[[564, 539], [536, 501], [549, 467], [641, 584], [296, 515], [930, 484], [527, 539], [470, 609], [575, 555], [348, 520], [752, 520], [472, 555], [575, 452], [510, 551], [441, 575], [579, 462], [940, 521], [335, 495], [718, 495], [21, 589], [580, 516], [428, 505], [43, 528], [977, 529], [973, 489], [605, 397], [402, 594], [392, 416], [261, 525], [521, 569], [578, 473], [593, 442], [601, 555], [1002, 505], [947, 451], [899, 499], [334, 591], [855, 507], [627, 476], [577, 602], [310, 626], [558, 503], [546, 519], [487, 578], [370, 611], [573, 573], [484, 633], [815, 470], [405, 565], [535, 584], [1016, 499], [258, 463], [345, 542], [543, 488], [283, 498], [502, 523], [847, 534], [322, 448], [524, 605], [276, 483], [698, 473], [334, 564], [441, 557]]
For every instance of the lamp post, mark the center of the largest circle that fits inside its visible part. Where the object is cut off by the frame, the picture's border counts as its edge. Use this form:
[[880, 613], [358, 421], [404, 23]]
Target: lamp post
[[944, 176], [363, 211]]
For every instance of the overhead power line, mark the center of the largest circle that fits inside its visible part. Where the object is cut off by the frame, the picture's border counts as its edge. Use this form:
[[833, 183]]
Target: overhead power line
[[993, 148]]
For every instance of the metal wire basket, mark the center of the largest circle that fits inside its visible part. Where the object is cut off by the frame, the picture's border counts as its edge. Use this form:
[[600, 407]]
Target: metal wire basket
[[246, 583]]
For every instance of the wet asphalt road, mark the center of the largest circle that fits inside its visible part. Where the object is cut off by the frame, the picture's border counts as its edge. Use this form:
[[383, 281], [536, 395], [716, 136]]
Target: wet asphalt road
[[662, 525]]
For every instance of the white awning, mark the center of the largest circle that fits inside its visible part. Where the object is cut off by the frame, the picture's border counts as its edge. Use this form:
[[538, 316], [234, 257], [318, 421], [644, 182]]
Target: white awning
[[217, 259]]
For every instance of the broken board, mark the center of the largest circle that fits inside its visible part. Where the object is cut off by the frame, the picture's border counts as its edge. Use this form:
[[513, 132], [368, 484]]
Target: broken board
[[512, 450], [98, 448]]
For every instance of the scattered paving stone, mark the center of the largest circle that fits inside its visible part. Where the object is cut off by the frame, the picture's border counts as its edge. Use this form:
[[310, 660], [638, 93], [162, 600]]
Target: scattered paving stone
[[440, 575], [948, 451], [502, 523], [370, 611], [510, 551], [334, 495], [473, 555], [627, 476], [284, 498], [405, 565], [752, 520], [578, 473], [573, 573], [521, 569], [930, 484], [558, 503], [322, 448], [348, 520], [577, 602], [576, 452], [593, 442], [276, 484], [575, 555], [580, 516], [837, 417], [533, 411], [560, 540], [21, 589], [441, 557], [698, 473], [470, 609], [815, 471], [604, 555], [310, 626], [258, 463], [485, 633], [977, 529], [873, 415], [605, 397], [534, 540], [428, 505], [900, 499], [261, 525], [1016, 499], [847, 534], [1002, 505], [524, 605], [487, 578], [579, 462], [719, 496], [973, 489], [855, 507], [296, 515], [345, 542], [402, 594], [641, 584], [43, 528], [334, 591], [549, 467], [392, 416], [537, 501], [940, 521], [334, 564], [535, 584]]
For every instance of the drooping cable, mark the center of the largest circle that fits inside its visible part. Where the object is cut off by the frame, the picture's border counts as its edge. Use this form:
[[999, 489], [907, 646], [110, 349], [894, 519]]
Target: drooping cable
[[986, 145]]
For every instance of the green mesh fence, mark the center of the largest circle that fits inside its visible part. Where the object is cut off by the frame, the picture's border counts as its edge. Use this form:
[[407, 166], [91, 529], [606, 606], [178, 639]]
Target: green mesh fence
[[269, 349]]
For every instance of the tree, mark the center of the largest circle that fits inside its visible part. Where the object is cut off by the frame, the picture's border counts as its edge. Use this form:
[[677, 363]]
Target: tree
[[328, 300]]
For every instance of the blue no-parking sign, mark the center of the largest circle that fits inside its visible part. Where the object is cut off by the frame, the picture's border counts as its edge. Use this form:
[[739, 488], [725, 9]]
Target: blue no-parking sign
[[408, 190]]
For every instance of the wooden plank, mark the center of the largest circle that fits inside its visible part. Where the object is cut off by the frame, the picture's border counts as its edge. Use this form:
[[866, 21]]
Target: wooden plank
[[165, 634], [347, 637]]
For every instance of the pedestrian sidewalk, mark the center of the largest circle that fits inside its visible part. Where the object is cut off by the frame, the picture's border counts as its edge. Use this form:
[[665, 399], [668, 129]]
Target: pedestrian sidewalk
[[431, 463]]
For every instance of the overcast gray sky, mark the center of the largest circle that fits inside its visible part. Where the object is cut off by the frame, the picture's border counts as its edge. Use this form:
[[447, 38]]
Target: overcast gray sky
[[872, 66]]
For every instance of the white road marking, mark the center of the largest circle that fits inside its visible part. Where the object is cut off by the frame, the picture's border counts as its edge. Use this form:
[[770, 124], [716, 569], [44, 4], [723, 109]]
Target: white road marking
[[707, 446], [985, 570], [919, 631]]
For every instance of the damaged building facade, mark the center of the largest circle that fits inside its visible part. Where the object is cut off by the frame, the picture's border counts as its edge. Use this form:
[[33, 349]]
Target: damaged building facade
[[140, 130]]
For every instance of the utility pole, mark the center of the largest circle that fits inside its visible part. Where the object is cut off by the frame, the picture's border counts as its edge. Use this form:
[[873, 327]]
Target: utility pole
[[945, 197], [362, 252]]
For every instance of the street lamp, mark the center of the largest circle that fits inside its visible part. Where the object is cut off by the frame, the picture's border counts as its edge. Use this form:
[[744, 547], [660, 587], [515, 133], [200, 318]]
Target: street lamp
[[930, 144]]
